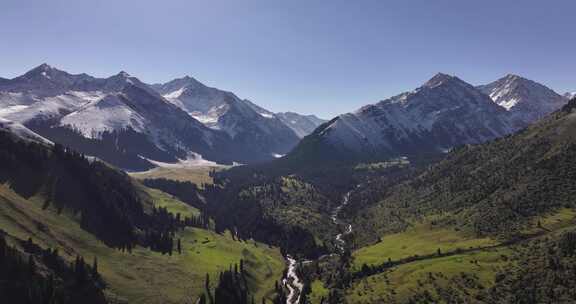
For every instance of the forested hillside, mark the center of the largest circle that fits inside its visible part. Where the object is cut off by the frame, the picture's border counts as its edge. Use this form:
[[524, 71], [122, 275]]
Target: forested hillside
[[75, 227], [37, 275], [485, 190], [491, 223]]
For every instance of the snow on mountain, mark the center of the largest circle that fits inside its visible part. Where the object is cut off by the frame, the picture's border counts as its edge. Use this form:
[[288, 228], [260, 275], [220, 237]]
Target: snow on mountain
[[104, 115], [195, 98], [118, 119], [570, 95], [44, 80], [525, 99], [241, 119], [133, 125], [443, 113], [302, 125], [26, 107], [22, 132]]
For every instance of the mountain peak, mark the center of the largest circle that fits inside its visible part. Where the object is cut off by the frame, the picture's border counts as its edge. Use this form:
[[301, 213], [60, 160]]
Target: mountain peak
[[438, 79], [123, 74], [526, 99], [185, 81], [44, 67], [120, 80], [177, 86], [43, 70], [514, 78]]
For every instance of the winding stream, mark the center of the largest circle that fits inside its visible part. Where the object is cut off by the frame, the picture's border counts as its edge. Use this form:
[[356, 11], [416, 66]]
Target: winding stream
[[291, 281], [340, 242]]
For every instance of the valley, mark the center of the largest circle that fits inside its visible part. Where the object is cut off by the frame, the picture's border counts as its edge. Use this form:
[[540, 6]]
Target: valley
[[292, 281], [416, 202], [287, 152]]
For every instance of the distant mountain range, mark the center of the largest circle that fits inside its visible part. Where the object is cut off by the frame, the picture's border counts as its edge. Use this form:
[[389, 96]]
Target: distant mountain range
[[134, 125], [443, 113], [137, 126]]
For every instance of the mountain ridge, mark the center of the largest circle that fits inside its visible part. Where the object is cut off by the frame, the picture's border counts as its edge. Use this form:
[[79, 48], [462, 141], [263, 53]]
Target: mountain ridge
[[90, 114], [439, 115], [443, 113], [241, 119]]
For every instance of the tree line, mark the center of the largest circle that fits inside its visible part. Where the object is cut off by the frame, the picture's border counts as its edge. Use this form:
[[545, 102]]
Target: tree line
[[32, 275]]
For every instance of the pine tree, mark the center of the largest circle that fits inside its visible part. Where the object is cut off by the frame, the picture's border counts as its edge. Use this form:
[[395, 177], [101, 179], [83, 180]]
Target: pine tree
[[95, 268]]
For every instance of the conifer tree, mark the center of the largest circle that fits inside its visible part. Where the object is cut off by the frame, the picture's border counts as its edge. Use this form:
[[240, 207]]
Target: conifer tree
[[95, 268]]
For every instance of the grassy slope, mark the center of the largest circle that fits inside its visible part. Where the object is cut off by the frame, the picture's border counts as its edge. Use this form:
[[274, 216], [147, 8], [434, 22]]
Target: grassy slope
[[143, 276], [404, 281], [198, 175], [463, 275], [421, 239], [173, 205]]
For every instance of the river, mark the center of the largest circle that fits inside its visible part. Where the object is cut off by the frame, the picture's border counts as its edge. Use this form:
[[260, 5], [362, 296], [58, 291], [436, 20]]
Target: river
[[292, 281]]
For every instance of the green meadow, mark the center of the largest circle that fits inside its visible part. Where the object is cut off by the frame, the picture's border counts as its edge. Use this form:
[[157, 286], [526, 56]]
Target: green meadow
[[144, 276], [421, 239]]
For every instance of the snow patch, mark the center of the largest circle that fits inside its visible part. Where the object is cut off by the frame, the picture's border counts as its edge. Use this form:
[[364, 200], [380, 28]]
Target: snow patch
[[11, 109], [107, 114], [175, 94], [193, 160], [22, 132], [49, 107], [208, 120], [266, 115]]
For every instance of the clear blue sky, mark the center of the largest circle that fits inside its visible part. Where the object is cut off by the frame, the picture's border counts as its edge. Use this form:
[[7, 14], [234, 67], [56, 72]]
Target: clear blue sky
[[322, 57]]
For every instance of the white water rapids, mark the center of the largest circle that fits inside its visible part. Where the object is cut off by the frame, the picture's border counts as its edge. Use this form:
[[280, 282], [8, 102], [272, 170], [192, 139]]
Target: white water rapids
[[291, 281]]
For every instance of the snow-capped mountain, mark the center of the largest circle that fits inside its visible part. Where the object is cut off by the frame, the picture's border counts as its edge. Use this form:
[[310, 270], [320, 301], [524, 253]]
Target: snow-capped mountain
[[443, 113], [302, 125], [570, 95], [245, 122], [525, 99], [118, 119]]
